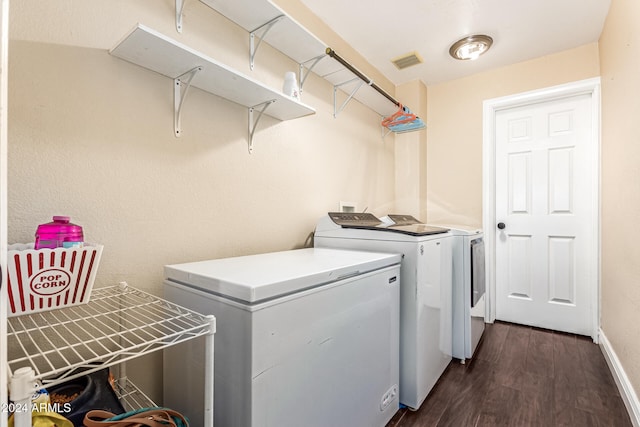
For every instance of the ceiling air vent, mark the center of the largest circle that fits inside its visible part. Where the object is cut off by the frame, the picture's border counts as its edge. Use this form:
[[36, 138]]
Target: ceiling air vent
[[407, 60]]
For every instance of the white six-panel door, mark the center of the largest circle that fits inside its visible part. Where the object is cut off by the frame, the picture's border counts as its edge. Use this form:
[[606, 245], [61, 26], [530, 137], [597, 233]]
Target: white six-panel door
[[544, 214]]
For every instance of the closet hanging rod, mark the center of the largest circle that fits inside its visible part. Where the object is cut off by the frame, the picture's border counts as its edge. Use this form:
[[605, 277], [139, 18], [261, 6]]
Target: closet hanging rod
[[355, 71]]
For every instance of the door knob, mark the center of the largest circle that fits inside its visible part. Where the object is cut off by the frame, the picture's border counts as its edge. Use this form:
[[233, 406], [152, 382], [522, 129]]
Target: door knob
[[501, 225]]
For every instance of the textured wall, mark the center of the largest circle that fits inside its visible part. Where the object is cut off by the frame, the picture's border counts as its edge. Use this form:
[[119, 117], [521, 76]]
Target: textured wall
[[91, 136], [620, 66]]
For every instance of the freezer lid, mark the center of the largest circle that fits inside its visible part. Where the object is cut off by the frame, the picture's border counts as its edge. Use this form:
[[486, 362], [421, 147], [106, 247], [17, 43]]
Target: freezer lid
[[256, 278]]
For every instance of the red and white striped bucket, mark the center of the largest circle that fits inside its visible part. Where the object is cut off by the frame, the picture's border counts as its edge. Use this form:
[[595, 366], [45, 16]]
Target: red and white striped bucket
[[46, 279]]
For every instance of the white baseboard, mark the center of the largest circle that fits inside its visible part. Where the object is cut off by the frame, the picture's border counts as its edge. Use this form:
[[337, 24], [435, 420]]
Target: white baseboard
[[619, 375]]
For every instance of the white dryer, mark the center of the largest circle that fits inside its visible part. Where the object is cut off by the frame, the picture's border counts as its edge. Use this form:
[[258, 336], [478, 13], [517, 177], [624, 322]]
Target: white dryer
[[425, 291], [468, 290]]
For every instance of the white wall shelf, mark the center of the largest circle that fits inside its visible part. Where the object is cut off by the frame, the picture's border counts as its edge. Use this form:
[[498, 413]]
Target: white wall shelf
[[119, 323], [152, 50], [294, 40]]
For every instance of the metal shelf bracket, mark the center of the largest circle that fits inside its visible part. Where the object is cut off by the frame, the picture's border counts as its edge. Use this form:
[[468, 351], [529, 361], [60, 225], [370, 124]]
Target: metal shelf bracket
[[302, 75], [337, 110], [181, 85], [179, 9], [254, 123], [253, 34]]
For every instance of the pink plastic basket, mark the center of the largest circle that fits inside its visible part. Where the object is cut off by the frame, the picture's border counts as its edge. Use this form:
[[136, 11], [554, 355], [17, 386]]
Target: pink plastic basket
[[46, 279]]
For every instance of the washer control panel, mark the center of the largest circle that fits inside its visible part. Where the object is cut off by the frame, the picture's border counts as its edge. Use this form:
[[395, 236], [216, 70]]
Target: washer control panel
[[354, 219]]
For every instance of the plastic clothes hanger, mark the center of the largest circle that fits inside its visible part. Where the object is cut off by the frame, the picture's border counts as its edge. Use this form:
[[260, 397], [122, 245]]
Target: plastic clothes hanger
[[403, 120]]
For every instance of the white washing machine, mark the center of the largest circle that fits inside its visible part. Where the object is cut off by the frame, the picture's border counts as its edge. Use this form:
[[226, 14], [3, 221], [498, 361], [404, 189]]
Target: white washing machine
[[469, 280], [303, 337], [425, 291]]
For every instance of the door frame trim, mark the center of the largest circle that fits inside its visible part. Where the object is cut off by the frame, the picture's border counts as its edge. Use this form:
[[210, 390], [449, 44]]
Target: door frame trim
[[490, 108]]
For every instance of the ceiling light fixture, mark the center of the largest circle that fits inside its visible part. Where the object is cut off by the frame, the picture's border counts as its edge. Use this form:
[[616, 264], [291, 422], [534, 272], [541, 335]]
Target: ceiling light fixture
[[471, 47]]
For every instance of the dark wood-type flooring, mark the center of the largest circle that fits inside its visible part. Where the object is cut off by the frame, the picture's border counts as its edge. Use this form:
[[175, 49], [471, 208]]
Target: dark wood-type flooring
[[524, 376]]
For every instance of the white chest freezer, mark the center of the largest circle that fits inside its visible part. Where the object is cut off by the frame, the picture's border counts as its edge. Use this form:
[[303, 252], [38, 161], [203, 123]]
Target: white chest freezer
[[303, 337]]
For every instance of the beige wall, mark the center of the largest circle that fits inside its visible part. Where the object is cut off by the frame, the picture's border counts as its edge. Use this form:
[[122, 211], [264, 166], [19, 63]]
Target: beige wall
[[454, 131], [91, 136], [411, 155], [620, 67]]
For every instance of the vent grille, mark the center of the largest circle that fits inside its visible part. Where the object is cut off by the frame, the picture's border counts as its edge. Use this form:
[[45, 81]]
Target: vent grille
[[407, 60]]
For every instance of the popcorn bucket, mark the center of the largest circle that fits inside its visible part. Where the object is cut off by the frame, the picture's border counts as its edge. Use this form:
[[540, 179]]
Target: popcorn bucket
[[46, 279]]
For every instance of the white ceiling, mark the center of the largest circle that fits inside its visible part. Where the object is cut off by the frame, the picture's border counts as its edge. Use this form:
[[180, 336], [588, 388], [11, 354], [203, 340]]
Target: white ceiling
[[384, 29]]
